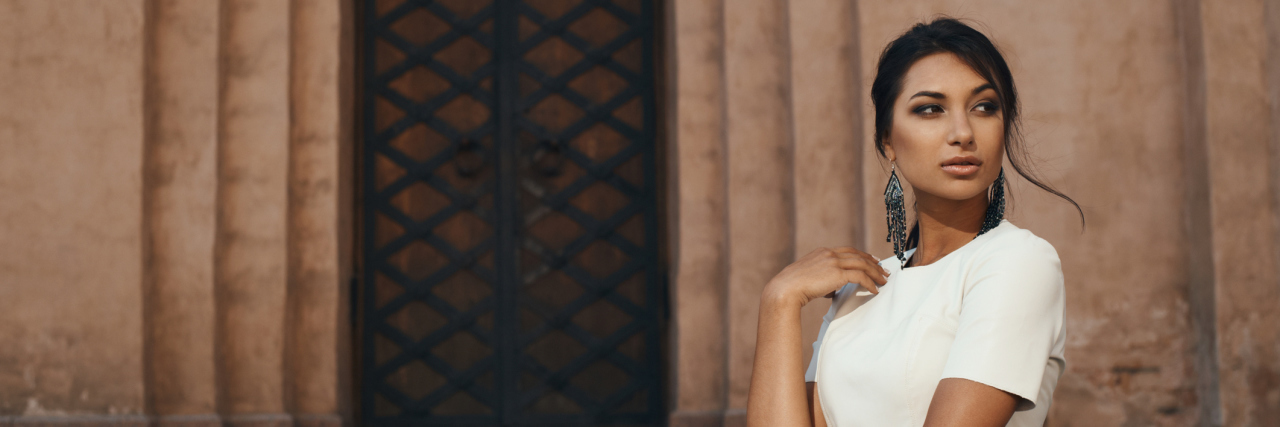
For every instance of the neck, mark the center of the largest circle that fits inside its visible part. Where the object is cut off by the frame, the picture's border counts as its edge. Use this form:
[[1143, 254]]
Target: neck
[[946, 225]]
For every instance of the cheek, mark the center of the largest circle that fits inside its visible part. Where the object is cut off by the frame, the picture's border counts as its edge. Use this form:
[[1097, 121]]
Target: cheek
[[915, 148], [909, 142], [990, 138], [989, 130]]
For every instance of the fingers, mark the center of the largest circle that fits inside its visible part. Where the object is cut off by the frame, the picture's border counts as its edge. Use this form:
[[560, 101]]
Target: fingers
[[854, 266], [873, 272], [873, 266], [848, 252], [868, 276], [861, 278], [853, 251]]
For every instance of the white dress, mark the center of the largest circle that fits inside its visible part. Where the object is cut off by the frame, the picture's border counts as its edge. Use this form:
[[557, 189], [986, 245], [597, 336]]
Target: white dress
[[990, 311]]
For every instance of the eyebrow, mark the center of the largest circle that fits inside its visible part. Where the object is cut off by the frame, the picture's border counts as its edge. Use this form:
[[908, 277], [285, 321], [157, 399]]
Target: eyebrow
[[939, 95]]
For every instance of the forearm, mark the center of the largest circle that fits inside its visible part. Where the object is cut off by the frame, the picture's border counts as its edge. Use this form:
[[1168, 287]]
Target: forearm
[[777, 396]]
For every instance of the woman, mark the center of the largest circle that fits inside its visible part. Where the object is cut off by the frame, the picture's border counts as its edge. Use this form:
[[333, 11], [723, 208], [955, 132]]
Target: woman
[[963, 326]]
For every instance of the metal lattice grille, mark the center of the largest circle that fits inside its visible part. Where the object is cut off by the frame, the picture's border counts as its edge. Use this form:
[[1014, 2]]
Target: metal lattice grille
[[511, 272]]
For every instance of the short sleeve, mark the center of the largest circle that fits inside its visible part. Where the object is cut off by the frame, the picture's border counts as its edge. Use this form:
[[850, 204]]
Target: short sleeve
[[1011, 315], [811, 374]]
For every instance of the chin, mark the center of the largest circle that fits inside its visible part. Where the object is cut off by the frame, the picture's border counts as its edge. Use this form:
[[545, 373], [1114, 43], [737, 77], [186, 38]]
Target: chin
[[961, 191]]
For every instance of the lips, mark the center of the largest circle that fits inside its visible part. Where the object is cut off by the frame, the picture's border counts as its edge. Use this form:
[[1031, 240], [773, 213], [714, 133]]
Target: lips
[[962, 165]]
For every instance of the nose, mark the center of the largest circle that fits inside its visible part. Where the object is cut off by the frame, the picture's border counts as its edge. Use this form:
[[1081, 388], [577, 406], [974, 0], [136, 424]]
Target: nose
[[961, 132]]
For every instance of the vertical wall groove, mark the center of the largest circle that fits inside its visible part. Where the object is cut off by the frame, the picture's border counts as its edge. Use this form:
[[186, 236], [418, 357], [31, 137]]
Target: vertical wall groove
[[179, 187], [726, 262], [860, 141], [1272, 24], [788, 105], [1200, 268]]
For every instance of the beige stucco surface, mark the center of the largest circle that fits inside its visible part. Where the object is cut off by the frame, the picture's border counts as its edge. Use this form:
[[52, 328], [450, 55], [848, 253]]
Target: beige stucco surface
[[71, 126], [826, 104], [696, 118], [318, 128], [250, 258], [1238, 131], [761, 198], [172, 212]]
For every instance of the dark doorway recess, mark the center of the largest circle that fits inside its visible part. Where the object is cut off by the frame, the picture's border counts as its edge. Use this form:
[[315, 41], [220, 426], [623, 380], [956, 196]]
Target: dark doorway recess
[[510, 271]]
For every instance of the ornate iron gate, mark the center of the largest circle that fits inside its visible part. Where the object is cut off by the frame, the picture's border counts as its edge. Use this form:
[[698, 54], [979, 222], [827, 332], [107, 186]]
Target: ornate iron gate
[[510, 264]]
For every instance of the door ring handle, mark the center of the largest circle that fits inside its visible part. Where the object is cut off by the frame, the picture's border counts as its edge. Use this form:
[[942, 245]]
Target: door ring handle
[[548, 157], [468, 158]]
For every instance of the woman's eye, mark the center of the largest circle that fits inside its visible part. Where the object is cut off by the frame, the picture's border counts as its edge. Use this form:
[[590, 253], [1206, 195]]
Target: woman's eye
[[987, 107], [928, 109]]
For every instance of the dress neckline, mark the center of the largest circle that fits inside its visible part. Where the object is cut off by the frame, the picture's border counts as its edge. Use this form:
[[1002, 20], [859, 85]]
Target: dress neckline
[[902, 266]]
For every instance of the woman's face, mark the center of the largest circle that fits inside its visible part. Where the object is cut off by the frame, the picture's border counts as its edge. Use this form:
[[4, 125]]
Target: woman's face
[[947, 136]]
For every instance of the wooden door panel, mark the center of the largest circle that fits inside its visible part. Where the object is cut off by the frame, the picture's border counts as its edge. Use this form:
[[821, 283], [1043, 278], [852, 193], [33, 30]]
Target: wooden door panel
[[576, 254], [432, 215], [575, 274]]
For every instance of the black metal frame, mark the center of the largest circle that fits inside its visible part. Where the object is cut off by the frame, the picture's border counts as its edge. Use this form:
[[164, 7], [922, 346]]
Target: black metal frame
[[506, 120]]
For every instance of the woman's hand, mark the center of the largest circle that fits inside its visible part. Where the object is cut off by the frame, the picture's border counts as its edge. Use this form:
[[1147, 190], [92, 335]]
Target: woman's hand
[[824, 271], [777, 393]]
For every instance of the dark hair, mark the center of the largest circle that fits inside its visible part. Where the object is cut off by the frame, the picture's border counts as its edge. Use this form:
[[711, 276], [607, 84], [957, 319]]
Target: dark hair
[[949, 35]]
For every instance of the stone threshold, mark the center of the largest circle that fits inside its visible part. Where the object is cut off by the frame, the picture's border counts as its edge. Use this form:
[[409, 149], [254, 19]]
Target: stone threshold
[[198, 420]]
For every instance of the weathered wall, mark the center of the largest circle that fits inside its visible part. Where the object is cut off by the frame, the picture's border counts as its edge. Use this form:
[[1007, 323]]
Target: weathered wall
[[763, 105], [1240, 146], [71, 138], [695, 117], [176, 204], [181, 198]]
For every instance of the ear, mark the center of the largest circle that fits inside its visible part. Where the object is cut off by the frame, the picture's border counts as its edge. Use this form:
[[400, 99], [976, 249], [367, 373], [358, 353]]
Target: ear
[[888, 151]]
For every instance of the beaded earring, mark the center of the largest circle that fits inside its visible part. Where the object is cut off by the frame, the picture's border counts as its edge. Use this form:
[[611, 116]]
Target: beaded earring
[[895, 213], [995, 206]]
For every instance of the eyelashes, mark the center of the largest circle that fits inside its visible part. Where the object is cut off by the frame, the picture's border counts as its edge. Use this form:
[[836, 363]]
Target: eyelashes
[[928, 109], [984, 107]]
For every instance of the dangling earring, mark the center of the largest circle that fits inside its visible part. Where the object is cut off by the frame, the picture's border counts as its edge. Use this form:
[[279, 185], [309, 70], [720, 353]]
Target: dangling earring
[[995, 205], [895, 213]]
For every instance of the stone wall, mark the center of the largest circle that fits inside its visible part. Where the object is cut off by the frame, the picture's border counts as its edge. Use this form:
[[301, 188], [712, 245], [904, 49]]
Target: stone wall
[[763, 106], [72, 137], [176, 212]]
